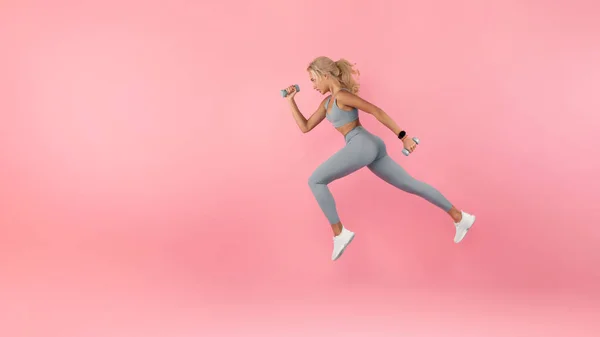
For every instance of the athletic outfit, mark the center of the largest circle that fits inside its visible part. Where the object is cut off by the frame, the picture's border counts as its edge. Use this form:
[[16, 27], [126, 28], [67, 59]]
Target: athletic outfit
[[366, 149]]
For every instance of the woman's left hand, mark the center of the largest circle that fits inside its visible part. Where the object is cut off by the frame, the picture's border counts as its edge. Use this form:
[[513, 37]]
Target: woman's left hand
[[409, 144]]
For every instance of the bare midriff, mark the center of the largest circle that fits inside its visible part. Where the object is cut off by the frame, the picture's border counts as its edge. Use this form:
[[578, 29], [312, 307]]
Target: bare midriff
[[344, 129]]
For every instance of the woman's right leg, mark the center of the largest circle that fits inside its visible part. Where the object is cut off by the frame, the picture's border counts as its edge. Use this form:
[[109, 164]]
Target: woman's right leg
[[359, 152]]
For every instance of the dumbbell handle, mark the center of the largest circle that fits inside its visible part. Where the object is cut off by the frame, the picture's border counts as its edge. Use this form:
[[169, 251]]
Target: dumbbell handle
[[284, 92], [405, 151]]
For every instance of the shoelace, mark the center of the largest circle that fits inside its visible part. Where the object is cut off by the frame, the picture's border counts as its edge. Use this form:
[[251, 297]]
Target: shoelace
[[336, 238]]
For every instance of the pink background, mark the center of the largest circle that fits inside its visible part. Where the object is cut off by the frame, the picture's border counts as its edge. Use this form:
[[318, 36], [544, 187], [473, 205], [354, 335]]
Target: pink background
[[154, 183]]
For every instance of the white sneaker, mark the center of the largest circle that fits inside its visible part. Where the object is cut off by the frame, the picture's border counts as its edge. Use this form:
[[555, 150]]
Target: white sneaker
[[340, 243], [463, 226]]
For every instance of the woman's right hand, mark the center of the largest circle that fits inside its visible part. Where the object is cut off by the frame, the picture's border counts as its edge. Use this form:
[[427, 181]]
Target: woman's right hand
[[291, 90]]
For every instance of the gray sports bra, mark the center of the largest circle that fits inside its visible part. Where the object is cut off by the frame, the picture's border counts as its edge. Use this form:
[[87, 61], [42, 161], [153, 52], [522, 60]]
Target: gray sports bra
[[339, 117]]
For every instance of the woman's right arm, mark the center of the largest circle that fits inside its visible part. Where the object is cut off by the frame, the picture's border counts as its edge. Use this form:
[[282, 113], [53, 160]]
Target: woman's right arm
[[304, 124]]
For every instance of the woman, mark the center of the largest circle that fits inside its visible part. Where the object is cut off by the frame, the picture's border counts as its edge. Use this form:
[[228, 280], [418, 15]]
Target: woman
[[362, 147]]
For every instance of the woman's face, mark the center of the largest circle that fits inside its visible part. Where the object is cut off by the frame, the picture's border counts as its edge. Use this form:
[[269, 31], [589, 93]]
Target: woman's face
[[319, 83]]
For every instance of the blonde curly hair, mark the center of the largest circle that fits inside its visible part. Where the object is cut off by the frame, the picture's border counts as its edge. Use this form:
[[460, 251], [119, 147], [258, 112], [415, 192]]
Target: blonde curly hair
[[341, 70]]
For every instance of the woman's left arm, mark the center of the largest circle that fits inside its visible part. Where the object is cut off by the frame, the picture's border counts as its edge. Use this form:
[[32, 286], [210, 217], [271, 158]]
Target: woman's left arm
[[349, 99]]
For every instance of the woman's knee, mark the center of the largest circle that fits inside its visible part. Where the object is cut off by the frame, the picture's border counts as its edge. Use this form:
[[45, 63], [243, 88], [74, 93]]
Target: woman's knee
[[317, 178], [415, 186], [313, 180]]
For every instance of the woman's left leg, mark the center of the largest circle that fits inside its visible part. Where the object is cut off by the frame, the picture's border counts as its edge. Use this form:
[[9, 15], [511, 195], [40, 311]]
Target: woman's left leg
[[387, 169], [392, 173]]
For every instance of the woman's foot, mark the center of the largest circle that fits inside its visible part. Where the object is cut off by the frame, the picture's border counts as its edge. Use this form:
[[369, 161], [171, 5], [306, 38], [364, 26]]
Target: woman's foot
[[340, 242], [462, 226]]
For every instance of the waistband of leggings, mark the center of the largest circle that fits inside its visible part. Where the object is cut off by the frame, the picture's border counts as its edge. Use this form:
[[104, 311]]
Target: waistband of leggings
[[358, 129]]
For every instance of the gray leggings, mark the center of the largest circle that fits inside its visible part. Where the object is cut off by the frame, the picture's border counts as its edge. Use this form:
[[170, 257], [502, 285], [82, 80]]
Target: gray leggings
[[365, 149]]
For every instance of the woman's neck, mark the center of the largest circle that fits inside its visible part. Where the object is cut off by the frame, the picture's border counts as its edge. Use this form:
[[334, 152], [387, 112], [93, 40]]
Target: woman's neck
[[334, 89]]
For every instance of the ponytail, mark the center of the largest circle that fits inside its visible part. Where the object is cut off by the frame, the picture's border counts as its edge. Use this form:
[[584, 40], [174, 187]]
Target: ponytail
[[346, 75]]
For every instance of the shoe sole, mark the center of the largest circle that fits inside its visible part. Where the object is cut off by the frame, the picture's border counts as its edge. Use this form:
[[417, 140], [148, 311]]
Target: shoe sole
[[344, 248], [464, 233]]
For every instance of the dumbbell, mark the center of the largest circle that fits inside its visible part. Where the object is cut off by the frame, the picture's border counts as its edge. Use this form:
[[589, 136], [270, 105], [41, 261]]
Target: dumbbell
[[405, 151], [284, 92]]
